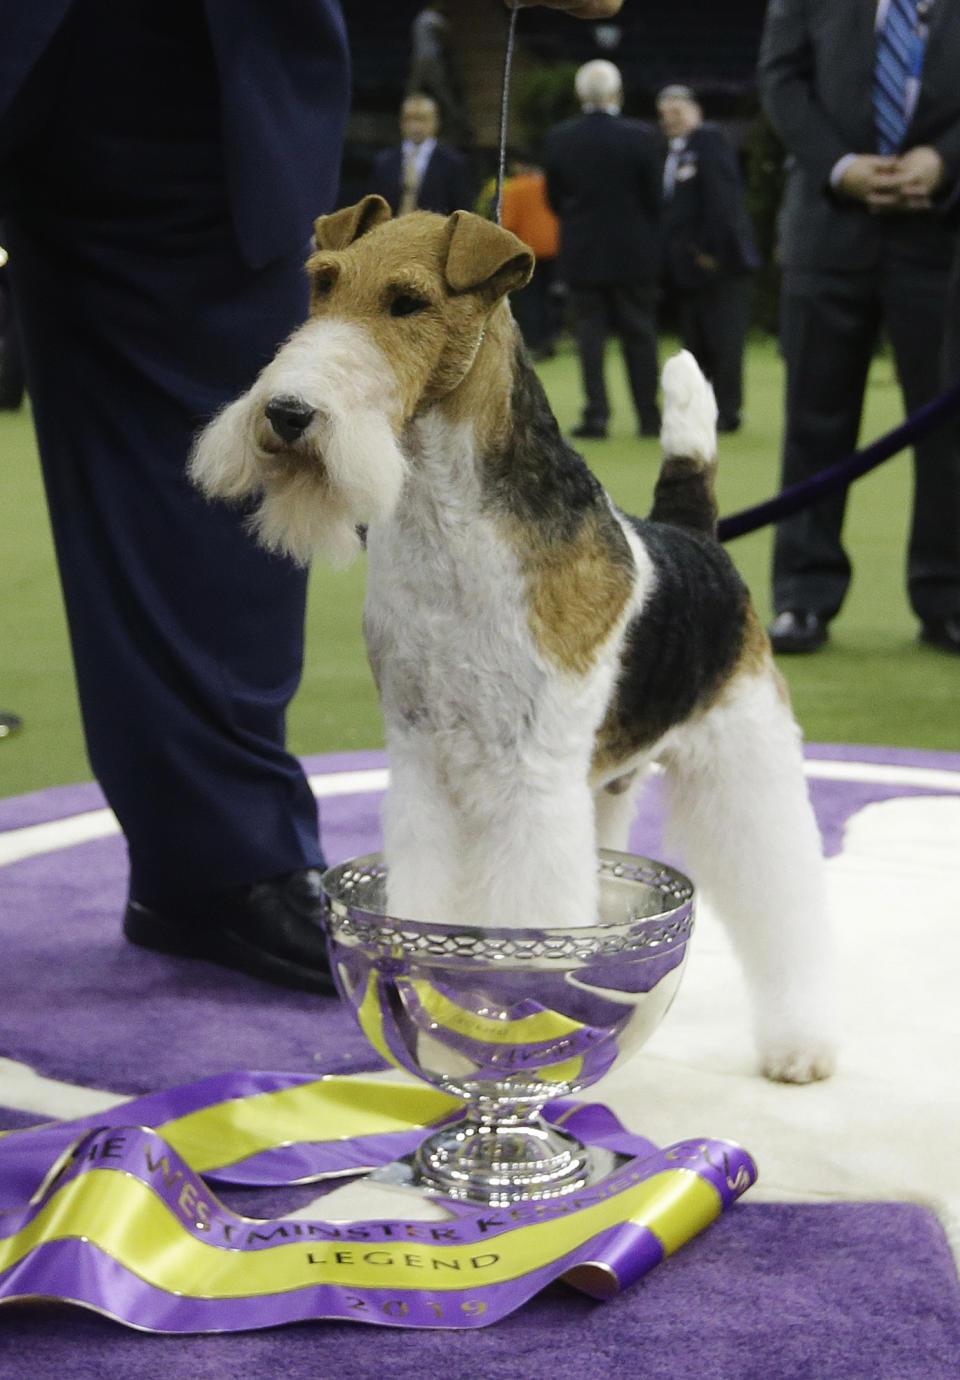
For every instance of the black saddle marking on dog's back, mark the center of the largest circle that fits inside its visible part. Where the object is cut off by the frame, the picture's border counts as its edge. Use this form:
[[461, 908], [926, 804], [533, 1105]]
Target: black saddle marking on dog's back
[[540, 478], [682, 645]]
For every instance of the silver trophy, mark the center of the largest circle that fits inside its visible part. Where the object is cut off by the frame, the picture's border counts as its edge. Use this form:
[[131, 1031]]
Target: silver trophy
[[507, 1020]]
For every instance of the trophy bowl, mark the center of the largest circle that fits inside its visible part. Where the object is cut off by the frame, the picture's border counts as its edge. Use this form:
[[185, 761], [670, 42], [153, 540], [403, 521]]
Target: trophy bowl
[[507, 1020]]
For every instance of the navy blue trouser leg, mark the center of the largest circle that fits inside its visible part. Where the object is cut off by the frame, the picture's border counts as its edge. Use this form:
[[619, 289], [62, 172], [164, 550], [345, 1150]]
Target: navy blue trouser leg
[[591, 324], [829, 327], [187, 637], [914, 311], [139, 320]]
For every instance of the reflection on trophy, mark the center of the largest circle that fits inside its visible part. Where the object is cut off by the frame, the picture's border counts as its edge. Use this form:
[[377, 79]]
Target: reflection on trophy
[[508, 1020]]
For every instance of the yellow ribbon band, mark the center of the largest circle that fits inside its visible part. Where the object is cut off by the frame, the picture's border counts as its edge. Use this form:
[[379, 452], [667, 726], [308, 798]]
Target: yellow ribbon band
[[337, 1108], [122, 1216]]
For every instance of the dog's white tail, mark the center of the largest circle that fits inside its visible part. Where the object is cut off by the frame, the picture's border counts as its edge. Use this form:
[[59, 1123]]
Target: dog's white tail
[[689, 411]]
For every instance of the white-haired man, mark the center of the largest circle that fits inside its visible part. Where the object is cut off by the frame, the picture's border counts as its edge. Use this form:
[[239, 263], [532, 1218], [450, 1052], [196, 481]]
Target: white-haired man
[[603, 181]]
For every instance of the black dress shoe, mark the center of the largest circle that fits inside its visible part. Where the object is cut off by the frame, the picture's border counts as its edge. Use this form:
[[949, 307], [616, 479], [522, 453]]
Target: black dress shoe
[[589, 431], [943, 633], [271, 930], [798, 631]]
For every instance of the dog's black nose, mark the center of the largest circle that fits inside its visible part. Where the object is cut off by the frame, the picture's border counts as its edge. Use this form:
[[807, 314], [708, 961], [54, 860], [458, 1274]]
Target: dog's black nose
[[289, 416]]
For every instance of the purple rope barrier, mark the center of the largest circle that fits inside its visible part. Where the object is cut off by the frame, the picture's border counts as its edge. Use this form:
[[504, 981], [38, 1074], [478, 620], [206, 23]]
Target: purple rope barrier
[[927, 419]]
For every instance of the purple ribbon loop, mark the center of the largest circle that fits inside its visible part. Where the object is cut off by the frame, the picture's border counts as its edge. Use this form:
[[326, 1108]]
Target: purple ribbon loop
[[106, 1213]]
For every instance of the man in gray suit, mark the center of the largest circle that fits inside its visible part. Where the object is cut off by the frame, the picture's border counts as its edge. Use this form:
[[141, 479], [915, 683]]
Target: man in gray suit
[[866, 99]]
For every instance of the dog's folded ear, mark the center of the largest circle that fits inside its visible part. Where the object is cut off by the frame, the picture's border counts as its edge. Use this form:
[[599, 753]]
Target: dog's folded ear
[[484, 257], [341, 228]]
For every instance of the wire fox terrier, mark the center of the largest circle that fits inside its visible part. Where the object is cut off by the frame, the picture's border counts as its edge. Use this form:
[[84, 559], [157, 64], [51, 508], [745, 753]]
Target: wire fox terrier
[[534, 648]]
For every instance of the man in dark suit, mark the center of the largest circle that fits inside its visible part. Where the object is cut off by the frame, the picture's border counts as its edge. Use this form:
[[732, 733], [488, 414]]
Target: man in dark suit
[[157, 227], [422, 174], [603, 181], [710, 246], [867, 102]]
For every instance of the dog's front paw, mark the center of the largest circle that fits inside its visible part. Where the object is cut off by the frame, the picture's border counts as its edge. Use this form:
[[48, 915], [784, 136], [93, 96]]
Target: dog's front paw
[[806, 1061]]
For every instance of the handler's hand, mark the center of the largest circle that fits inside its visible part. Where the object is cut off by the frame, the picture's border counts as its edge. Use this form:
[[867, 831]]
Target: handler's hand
[[872, 178], [919, 173], [580, 9]]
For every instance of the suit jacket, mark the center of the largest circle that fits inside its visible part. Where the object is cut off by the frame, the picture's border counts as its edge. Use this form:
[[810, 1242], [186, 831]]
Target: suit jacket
[[284, 91], [706, 213], [604, 183], [816, 84], [446, 185]]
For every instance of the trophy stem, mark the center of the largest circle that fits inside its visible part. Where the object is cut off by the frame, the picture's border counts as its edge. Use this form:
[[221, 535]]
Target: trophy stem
[[499, 1154]]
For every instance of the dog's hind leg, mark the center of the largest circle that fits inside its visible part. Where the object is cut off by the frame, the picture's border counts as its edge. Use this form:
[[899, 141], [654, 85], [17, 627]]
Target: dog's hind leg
[[741, 820]]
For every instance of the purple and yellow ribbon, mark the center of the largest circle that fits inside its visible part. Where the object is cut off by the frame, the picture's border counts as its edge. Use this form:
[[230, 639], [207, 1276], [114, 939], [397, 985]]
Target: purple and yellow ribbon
[[116, 1212]]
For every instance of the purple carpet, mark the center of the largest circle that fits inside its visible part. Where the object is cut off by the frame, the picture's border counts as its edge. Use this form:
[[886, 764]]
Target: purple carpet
[[838, 1290]]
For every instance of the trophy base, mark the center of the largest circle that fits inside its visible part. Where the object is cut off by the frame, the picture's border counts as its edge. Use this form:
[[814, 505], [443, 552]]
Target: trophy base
[[484, 1162]]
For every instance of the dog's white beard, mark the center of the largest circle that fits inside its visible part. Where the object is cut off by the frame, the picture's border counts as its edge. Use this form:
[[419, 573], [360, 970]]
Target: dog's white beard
[[317, 511], [350, 469], [223, 463]]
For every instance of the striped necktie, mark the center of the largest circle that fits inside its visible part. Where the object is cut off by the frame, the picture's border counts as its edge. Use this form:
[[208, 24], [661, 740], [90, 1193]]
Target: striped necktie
[[900, 47], [670, 167]]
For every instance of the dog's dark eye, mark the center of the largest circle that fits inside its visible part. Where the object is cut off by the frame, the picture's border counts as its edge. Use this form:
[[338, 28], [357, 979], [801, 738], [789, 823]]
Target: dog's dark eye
[[405, 304], [322, 287]]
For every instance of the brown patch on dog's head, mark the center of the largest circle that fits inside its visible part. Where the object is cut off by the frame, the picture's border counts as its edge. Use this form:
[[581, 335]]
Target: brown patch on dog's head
[[483, 257], [425, 287], [341, 228]]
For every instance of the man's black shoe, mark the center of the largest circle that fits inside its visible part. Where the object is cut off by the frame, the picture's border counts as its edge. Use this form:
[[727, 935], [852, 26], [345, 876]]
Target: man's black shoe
[[271, 930], [943, 633], [589, 431], [798, 631]]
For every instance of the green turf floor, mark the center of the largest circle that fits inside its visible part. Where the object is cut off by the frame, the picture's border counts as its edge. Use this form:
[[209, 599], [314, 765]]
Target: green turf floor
[[872, 684]]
